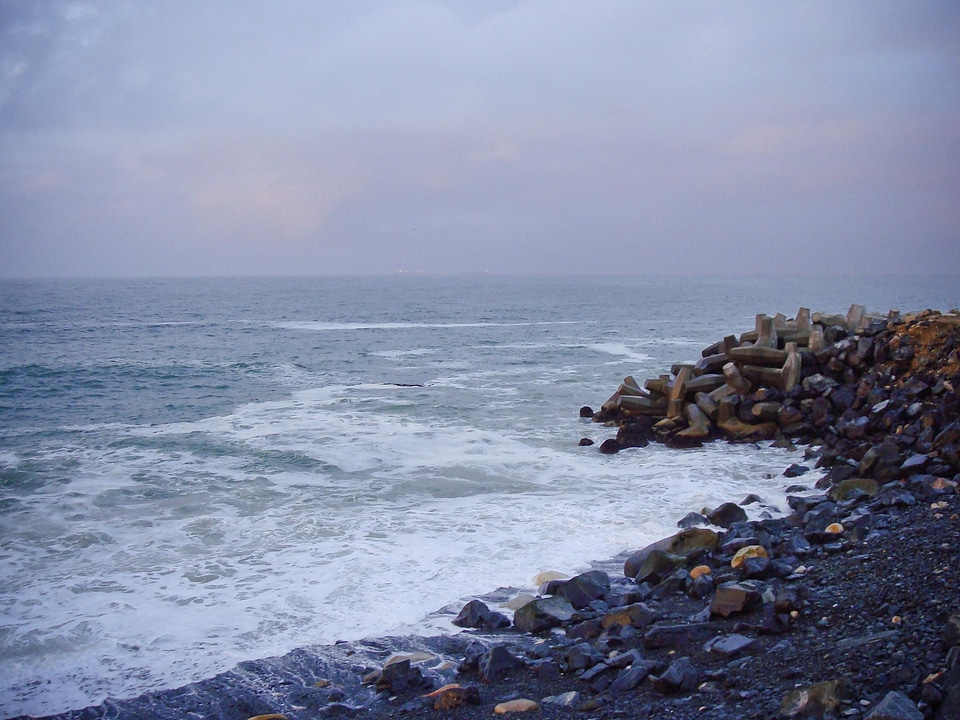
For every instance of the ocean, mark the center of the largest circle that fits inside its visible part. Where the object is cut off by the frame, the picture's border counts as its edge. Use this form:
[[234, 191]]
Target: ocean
[[196, 472]]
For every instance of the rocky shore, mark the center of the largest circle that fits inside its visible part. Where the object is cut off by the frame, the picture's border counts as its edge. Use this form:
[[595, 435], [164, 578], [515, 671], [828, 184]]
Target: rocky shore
[[846, 605]]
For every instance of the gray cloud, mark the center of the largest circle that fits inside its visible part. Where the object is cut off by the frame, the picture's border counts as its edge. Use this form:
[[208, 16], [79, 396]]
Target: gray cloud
[[301, 137]]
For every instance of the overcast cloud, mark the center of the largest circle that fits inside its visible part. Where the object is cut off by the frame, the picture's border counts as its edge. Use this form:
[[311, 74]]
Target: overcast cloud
[[514, 136]]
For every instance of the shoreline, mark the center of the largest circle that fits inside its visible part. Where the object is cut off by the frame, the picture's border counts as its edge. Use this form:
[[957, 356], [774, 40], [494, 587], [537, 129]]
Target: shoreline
[[621, 649]]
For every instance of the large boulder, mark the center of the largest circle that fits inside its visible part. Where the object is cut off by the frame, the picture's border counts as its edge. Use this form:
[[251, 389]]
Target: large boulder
[[475, 614], [685, 544], [543, 614], [583, 589], [727, 514]]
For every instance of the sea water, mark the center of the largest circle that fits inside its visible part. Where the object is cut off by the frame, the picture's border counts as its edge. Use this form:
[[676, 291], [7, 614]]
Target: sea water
[[198, 472]]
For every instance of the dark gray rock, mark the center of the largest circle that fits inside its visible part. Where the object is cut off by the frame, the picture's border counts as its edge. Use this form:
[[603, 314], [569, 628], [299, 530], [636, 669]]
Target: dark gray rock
[[755, 568], [816, 520], [895, 706], [681, 676], [583, 589], [817, 384], [727, 514], [700, 587], [692, 519], [669, 635], [399, 677], [631, 677], [582, 656], [497, 663], [796, 470], [914, 464], [729, 646], [475, 614], [543, 614], [656, 566]]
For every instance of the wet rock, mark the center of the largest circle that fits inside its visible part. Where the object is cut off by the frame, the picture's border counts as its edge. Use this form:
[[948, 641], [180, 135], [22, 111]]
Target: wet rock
[[610, 446], [543, 614], [796, 544], [475, 614], [585, 442], [497, 663], [657, 565], [583, 589], [950, 705], [398, 678], [802, 504], [895, 706], [796, 470], [691, 520], [586, 411], [854, 428], [727, 514], [686, 544], [893, 497], [634, 434]]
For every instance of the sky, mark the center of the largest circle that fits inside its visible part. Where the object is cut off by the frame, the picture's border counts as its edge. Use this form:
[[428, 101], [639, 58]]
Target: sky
[[318, 137]]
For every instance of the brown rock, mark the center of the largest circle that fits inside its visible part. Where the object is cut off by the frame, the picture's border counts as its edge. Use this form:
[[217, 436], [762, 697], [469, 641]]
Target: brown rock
[[750, 551], [731, 598], [684, 544], [637, 615], [815, 700]]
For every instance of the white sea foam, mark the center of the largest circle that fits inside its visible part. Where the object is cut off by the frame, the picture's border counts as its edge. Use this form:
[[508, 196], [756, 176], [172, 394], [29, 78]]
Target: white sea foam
[[622, 351]]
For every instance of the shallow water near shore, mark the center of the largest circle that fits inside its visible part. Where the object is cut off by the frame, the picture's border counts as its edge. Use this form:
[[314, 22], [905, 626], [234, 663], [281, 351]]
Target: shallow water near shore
[[199, 472]]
